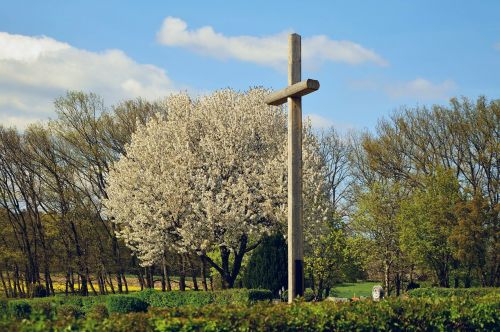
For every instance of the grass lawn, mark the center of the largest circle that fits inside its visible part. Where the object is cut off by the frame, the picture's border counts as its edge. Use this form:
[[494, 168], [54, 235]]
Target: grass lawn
[[357, 289]]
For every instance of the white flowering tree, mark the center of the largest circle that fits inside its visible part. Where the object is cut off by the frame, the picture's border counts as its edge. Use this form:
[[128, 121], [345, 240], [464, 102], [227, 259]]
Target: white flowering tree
[[211, 175]]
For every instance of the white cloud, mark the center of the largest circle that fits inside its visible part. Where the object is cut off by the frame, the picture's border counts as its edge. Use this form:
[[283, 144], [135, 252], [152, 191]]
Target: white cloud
[[421, 89], [319, 122], [268, 50], [36, 70]]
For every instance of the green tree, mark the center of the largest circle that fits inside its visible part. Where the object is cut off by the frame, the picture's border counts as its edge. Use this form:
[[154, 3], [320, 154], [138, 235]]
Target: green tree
[[427, 220], [376, 221], [326, 260], [267, 267], [469, 237]]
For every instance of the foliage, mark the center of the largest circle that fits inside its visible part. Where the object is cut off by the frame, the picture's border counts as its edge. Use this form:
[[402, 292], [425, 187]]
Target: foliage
[[4, 305], [469, 238], [61, 168], [376, 222], [176, 298], [450, 314], [449, 292], [101, 306], [98, 311], [327, 259], [210, 175], [44, 308], [125, 304], [19, 308], [428, 218], [267, 267], [69, 311], [197, 299], [242, 296], [309, 295], [415, 145]]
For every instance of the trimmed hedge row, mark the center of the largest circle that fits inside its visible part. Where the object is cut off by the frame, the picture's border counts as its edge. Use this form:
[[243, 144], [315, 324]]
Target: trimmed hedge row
[[198, 299], [133, 302], [448, 292], [414, 314]]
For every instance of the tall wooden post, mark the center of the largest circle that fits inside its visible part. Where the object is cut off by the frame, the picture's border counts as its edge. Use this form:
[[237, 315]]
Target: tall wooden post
[[295, 237], [293, 94]]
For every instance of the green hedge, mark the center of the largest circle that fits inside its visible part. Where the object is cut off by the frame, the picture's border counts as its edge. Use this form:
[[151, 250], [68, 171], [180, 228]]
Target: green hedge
[[198, 299], [68, 311], [448, 292], [19, 308], [308, 295], [414, 314], [133, 302], [3, 307], [124, 304]]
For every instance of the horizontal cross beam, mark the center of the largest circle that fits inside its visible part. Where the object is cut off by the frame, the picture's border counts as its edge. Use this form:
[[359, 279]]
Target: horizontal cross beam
[[295, 90]]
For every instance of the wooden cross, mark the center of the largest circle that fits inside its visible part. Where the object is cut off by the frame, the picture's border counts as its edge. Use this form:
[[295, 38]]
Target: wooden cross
[[293, 94]]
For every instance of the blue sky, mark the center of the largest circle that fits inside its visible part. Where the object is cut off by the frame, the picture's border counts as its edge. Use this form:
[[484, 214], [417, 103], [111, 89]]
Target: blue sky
[[371, 57]]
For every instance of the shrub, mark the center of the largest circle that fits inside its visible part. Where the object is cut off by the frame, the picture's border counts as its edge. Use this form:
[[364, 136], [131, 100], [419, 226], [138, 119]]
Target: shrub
[[241, 296], [198, 299], [308, 295], [3, 308], [412, 285], [125, 304], [98, 312], [44, 308], [414, 314], [267, 266], [145, 294], [69, 311], [176, 298], [75, 300], [87, 302], [39, 291], [448, 292], [255, 295], [19, 308]]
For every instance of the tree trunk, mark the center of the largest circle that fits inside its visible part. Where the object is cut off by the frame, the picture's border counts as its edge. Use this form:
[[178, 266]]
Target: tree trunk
[[398, 284], [140, 278], [319, 292], [468, 278], [228, 275], [119, 282], [182, 275], [193, 275], [102, 285], [443, 277], [163, 282], [165, 277], [91, 285], [125, 283], [109, 279], [12, 287], [204, 274], [149, 277], [6, 290], [386, 277]]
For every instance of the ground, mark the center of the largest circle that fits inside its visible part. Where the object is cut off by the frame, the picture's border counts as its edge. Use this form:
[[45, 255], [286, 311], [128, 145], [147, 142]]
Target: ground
[[346, 290], [350, 290]]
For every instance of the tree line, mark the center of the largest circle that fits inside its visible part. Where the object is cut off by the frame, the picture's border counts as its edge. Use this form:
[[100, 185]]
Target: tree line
[[427, 194], [416, 199]]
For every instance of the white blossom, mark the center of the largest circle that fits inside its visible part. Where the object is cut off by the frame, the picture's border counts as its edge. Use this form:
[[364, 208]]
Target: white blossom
[[211, 171]]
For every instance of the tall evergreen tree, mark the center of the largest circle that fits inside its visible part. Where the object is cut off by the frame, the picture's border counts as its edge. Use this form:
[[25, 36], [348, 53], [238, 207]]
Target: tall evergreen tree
[[267, 267]]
